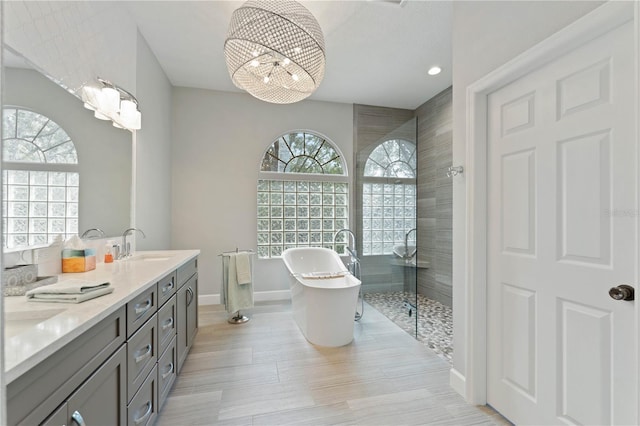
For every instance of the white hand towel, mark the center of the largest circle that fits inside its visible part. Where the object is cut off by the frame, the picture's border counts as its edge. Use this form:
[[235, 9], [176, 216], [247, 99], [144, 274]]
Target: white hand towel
[[70, 286], [243, 268], [69, 297]]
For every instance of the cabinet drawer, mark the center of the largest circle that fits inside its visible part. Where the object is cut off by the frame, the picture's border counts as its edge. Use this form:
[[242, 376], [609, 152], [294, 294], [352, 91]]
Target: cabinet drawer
[[166, 372], [143, 408], [166, 324], [37, 393], [142, 355], [140, 309], [166, 288], [186, 271]]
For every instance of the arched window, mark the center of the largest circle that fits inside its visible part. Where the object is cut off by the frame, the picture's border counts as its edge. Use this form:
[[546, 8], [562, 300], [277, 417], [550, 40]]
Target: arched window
[[303, 194], [40, 179], [388, 197]]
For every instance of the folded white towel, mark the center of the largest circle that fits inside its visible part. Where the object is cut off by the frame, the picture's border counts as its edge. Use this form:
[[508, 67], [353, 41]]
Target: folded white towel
[[243, 268], [70, 286], [69, 297]]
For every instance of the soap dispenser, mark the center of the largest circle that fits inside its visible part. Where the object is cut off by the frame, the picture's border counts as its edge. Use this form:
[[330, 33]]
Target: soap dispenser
[[108, 255]]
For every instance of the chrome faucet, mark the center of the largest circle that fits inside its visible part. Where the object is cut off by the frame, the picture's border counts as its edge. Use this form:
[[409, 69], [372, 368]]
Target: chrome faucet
[[125, 251], [406, 239], [353, 252], [86, 233]]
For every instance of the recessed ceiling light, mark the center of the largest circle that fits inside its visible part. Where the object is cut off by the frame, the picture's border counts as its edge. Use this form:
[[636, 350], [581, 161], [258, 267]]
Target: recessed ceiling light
[[434, 70]]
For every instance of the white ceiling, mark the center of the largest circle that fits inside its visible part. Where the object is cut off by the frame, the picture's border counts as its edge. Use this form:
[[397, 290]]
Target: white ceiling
[[378, 52]]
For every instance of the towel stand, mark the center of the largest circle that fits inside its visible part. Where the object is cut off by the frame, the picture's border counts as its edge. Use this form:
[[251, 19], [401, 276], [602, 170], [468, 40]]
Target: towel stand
[[237, 318]]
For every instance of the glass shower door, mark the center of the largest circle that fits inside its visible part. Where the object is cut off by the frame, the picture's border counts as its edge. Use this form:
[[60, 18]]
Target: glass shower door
[[386, 174]]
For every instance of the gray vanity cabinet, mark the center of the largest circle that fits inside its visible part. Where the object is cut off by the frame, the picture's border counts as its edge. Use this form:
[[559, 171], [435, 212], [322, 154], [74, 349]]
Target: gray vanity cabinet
[[187, 310], [120, 371]]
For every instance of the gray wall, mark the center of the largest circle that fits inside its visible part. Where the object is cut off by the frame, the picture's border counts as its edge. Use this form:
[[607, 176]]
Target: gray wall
[[218, 141], [104, 152], [435, 197], [485, 36], [153, 144]]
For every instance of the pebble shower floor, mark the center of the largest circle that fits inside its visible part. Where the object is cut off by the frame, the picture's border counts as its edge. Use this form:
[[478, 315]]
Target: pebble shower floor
[[435, 323]]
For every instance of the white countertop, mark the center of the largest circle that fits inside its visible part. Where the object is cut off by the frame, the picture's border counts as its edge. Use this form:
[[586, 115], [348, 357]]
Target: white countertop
[[36, 330]]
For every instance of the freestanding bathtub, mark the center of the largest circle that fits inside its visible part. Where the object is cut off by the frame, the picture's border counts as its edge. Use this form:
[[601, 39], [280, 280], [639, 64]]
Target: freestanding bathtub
[[323, 295]]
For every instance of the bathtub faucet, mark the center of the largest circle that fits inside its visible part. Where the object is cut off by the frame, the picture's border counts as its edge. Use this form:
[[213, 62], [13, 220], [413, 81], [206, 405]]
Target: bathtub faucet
[[353, 252]]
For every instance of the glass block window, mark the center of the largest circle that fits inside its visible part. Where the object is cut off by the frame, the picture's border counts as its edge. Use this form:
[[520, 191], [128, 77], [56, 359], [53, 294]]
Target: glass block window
[[302, 152], [388, 213], [303, 194], [389, 209], [40, 181], [301, 214]]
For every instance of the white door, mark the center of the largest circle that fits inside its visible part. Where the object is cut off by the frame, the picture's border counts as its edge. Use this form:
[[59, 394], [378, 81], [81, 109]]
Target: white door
[[562, 206]]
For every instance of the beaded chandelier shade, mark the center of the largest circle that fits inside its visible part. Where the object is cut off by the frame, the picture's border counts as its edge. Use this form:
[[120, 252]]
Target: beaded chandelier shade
[[275, 50]]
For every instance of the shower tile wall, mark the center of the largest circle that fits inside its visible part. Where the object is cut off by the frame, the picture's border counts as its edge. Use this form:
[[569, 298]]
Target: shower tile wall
[[370, 125], [435, 197]]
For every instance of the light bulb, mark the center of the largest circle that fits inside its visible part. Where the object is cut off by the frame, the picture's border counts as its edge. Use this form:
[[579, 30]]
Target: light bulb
[[286, 61], [297, 49], [295, 77], [255, 53], [132, 121], [100, 116], [127, 108], [90, 96], [266, 79], [255, 63], [109, 100], [434, 70]]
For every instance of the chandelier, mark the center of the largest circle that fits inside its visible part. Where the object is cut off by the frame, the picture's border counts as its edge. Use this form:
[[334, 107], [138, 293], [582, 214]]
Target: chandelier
[[275, 50]]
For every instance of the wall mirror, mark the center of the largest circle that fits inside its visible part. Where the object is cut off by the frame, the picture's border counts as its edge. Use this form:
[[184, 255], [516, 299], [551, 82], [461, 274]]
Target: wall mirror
[[63, 170]]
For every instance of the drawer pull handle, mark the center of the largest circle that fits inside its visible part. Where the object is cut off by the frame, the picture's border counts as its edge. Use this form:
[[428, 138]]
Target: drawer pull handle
[[142, 308], [145, 355], [167, 287], [168, 323], [169, 371], [77, 417], [146, 414], [190, 292]]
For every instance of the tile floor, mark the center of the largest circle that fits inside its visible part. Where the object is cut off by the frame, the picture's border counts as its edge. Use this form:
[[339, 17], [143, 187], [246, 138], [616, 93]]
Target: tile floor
[[434, 320], [264, 372]]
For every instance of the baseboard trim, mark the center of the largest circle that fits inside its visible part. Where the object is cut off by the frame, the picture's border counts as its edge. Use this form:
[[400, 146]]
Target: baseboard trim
[[458, 382], [258, 296]]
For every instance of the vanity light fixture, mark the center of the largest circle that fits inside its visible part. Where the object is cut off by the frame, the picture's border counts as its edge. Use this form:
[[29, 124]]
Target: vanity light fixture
[[112, 102], [275, 50]]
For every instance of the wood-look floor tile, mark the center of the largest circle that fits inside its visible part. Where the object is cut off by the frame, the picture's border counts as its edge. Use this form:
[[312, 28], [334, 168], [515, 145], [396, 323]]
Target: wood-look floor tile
[[265, 372]]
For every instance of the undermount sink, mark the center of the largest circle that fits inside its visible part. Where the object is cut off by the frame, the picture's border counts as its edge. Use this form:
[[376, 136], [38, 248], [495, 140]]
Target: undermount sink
[[148, 257], [405, 252], [20, 321]]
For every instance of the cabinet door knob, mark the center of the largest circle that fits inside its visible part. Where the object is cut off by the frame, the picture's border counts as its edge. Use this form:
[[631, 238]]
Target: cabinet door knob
[[77, 417]]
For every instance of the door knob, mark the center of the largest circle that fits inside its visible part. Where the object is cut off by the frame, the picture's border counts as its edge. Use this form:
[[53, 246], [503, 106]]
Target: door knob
[[621, 292]]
